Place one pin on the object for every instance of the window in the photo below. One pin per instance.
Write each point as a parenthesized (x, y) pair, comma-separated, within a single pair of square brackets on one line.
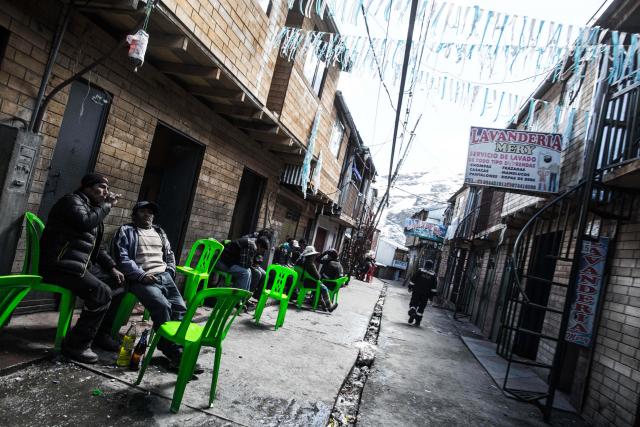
[(314, 72), (265, 5), (336, 138)]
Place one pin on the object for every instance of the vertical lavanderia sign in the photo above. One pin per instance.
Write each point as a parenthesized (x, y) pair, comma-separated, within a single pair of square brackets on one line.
[(591, 265), (513, 159)]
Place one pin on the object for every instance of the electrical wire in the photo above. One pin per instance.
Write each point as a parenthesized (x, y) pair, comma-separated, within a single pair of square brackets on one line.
[(375, 57)]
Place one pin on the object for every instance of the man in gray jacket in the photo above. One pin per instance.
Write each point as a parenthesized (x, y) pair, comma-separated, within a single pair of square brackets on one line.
[(144, 255)]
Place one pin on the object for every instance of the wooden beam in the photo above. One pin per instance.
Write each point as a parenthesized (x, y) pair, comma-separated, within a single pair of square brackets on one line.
[(232, 110), (168, 41), (270, 137), (126, 5), (292, 159), (285, 149), (187, 69), (215, 92)]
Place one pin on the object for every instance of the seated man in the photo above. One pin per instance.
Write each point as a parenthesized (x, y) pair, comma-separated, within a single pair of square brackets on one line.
[(308, 257), (72, 256), (144, 255), (331, 267), (239, 256)]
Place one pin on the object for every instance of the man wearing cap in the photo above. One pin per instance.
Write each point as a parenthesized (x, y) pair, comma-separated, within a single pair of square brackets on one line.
[(71, 256), (144, 255)]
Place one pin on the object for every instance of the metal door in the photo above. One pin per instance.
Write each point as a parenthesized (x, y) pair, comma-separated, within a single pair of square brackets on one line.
[(74, 155), (170, 180), (78, 142)]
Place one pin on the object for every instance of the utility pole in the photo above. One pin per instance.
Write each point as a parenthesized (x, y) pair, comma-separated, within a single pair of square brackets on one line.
[(403, 79)]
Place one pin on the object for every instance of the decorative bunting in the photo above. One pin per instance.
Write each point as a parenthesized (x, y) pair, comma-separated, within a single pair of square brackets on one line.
[(308, 156)]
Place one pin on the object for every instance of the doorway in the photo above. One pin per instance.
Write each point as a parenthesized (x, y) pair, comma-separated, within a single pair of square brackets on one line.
[(78, 142), (248, 202), (321, 238), (74, 156), (170, 180), (541, 270)]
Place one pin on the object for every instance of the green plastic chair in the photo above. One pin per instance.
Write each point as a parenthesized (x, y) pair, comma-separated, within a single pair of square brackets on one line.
[(278, 276), (35, 227), (192, 336), (338, 283), (13, 289), (303, 277), (211, 250)]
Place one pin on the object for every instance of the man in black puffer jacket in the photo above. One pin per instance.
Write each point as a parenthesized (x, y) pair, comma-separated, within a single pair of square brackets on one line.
[(71, 256)]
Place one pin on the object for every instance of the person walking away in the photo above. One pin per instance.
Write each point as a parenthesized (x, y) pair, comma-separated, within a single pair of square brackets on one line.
[(238, 257), (423, 283), (371, 268), (143, 253), (72, 256), (308, 256)]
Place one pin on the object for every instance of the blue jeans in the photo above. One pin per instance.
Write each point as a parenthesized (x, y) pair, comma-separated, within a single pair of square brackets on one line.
[(241, 275), (164, 302)]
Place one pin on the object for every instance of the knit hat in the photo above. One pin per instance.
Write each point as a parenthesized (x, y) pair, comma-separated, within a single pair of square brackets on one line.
[(92, 179)]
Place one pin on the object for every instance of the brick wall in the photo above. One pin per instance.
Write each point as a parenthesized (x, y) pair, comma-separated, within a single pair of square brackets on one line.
[(238, 32), (614, 386), (140, 101)]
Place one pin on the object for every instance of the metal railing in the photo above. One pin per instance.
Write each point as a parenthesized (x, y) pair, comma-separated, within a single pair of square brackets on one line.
[(620, 140)]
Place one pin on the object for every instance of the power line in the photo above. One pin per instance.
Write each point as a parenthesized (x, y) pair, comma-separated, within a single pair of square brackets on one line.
[(403, 79), (375, 57), (421, 197)]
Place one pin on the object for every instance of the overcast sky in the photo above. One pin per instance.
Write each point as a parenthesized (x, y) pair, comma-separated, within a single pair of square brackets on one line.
[(441, 139)]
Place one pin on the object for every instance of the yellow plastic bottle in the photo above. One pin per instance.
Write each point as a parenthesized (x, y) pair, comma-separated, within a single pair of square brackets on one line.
[(128, 342)]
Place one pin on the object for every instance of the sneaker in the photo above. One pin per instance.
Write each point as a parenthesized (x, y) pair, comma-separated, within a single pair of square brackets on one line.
[(332, 307), (418, 320), (80, 355), (411, 319), (106, 342)]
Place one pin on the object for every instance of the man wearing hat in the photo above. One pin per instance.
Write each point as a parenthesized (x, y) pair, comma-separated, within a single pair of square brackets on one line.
[(144, 255), (72, 256)]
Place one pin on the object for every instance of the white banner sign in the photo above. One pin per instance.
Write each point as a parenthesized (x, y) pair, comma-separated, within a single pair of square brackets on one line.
[(512, 159)]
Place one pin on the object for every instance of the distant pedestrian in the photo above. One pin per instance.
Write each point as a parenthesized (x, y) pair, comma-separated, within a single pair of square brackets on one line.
[(423, 283), (370, 267)]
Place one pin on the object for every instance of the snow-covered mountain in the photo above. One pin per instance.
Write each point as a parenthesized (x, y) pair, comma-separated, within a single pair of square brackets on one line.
[(411, 193)]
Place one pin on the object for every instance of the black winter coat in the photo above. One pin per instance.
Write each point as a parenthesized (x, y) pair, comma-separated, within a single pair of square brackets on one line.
[(73, 236)]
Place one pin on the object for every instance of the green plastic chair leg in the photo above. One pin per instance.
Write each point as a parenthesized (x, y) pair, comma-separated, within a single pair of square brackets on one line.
[(190, 288), (124, 312), (260, 307), (146, 315), (67, 304), (301, 295), (282, 312), (214, 378), (187, 365), (147, 359), (316, 299)]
